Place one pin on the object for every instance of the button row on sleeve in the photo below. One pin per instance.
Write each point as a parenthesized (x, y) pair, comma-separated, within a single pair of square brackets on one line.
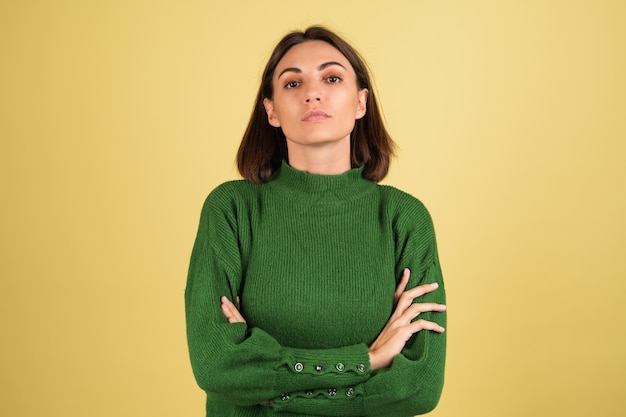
[(299, 367), (331, 393)]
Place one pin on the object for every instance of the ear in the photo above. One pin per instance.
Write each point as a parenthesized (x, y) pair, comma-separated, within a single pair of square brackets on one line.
[(361, 108), (271, 114)]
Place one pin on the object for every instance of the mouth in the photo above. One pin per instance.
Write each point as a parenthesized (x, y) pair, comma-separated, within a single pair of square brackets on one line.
[(315, 116)]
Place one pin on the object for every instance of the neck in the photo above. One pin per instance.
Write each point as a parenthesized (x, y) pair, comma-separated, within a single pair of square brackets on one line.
[(328, 159)]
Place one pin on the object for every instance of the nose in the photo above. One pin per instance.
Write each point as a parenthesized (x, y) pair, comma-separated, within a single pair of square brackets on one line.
[(313, 93)]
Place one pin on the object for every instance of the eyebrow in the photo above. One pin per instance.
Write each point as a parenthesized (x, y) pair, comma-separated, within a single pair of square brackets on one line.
[(320, 68)]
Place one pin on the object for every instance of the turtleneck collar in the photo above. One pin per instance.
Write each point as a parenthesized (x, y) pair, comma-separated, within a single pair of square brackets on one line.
[(334, 188)]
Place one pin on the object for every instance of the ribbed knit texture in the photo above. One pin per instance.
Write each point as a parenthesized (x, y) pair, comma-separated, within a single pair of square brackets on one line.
[(315, 260)]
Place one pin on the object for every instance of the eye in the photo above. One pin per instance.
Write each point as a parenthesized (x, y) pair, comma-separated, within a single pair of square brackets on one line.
[(333, 79), (292, 84)]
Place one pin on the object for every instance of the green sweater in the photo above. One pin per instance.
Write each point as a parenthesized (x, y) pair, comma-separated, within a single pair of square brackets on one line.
[(315, 260)]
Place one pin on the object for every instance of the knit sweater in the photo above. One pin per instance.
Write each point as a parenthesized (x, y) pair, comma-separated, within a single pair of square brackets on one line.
[(315, 261)]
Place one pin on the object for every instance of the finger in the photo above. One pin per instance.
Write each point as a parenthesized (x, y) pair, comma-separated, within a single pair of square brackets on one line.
[(407, 297), (416, 309), (230, 311), (236, 320), (406, 274), (420, 325), (225, 305), (235, 317), (421, 289)]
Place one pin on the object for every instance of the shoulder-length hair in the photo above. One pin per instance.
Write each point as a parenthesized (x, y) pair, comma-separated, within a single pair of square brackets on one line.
[(264, 147)]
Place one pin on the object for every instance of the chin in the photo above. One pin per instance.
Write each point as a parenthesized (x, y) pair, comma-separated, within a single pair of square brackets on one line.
[(320, 138)]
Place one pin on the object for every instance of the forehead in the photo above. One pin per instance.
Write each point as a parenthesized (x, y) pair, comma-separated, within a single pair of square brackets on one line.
[(311, 54)]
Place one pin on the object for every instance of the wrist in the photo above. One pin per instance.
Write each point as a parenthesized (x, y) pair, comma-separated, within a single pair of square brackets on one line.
[(375, 362)]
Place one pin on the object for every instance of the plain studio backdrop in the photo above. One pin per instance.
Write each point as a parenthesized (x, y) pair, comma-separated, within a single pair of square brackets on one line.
[(118, 117)]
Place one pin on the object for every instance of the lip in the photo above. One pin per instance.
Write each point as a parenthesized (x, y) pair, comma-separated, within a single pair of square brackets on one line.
[(315, 116)]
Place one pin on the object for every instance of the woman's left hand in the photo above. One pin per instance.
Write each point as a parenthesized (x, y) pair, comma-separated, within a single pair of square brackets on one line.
[(401, 325), (230, 311)]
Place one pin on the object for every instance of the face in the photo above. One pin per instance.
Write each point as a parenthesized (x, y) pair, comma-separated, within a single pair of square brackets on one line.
[(316, 98)]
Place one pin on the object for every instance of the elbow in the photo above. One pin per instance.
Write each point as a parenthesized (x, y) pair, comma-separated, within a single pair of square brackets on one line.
[(426, 401), (224, 383), (209, 371), (207, 378), (416, 401), (425, 406)]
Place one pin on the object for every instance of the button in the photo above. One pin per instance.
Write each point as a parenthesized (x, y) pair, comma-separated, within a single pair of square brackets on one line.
[(332, 392), (298, 367), (285, 397), (350, 392), (360, 367), (318, 368), (340, 367)]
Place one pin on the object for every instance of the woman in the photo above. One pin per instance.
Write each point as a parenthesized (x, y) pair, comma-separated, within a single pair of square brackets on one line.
[(312, 290)]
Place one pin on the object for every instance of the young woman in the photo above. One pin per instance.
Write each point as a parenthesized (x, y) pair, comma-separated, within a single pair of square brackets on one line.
[(313, 290)]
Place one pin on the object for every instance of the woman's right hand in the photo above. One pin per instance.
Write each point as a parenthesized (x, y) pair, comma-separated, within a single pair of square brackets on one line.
[(401, 326)]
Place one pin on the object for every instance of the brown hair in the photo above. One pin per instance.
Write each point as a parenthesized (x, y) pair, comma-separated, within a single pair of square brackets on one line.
[(263, 146)]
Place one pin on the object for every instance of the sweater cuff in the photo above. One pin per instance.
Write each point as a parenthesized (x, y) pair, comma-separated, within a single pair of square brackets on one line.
[(304, 370), (346, 401), (351, 361)]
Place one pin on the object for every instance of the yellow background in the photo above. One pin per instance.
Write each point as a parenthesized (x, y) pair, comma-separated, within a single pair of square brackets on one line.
[(118, 117)]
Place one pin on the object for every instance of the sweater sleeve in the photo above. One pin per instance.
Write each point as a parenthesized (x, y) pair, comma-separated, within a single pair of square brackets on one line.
[(236, 364), (413, 383)]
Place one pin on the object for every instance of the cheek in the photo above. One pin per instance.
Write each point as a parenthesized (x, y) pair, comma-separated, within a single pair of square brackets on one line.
[(282, 115), (350, 105), (284, 106)]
